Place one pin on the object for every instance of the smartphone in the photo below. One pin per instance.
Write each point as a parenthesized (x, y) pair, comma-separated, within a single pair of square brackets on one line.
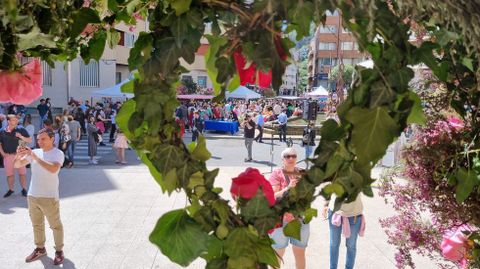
[(22, 144)]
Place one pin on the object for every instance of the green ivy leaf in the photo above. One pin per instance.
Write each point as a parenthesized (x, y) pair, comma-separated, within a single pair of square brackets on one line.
[(113, 37), (123, 117), (310, 214), (241, 243), (416, 114), (153, 170), (265, 252), (292, 229), (210, 59), (374, 130), (35, 38), (380, 94), (467, 180), (331, 131), (180, 6), (332, 188), (200, 152), (174, 233), (168, 157), (171, 181), (81, 19), (467, 62), (95, 48), (215, 248), (257, 207), (141, 51)]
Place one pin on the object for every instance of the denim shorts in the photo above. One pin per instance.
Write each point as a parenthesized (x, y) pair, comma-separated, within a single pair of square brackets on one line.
[(281, 241)]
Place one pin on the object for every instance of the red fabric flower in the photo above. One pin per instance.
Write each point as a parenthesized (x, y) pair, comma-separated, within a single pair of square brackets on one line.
[(247, 183), (250, 74), (21, 87)]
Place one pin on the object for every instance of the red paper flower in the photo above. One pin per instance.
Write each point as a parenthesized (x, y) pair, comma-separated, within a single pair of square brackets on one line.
[(247, 183), (21, 87), (250, 74)]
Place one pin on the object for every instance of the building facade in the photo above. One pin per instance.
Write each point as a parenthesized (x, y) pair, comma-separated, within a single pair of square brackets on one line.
[(330, 45)]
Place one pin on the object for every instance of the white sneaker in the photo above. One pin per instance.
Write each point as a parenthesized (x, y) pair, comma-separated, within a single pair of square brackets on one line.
[(95, 162)]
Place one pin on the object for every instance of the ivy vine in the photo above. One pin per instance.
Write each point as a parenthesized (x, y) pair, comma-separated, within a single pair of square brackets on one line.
[(376, 111)]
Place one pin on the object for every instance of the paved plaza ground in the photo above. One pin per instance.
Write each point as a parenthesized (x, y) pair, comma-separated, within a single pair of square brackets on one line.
[(108, 212)]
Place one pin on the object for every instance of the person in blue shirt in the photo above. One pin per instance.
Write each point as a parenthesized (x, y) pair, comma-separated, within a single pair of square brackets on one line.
[(282, 131), (260, 124)]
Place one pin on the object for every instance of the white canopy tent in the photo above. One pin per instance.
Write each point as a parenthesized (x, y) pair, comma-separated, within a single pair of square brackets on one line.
[(318, 91), (243, 92), (114, 91), (367, 64)]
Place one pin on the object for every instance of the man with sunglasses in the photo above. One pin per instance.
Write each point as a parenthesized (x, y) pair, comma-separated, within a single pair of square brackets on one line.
[(43, 195), (282, 180)]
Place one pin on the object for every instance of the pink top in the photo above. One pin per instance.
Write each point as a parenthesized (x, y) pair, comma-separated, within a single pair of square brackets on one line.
[(278, 182), (338, 220)]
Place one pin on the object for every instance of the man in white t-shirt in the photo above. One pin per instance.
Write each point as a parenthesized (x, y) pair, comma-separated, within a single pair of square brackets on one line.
[(43, 196)]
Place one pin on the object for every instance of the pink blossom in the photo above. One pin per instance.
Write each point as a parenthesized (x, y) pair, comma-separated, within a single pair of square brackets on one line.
[(21, 87), (456, 123), (131, 28), (454, 246), (137, 15)]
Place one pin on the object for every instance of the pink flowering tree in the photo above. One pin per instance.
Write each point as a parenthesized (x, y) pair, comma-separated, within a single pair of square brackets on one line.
[(437, 202)]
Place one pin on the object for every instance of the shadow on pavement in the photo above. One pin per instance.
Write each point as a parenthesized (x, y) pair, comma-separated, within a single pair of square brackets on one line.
[(7, 205), (48, 263)]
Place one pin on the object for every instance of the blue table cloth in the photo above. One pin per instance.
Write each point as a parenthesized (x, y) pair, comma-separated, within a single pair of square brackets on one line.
[(224, 126)]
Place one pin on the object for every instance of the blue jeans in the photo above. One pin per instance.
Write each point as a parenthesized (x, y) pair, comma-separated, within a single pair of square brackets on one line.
[(71, 150), (281, 241), (351, 242), (308, 151)]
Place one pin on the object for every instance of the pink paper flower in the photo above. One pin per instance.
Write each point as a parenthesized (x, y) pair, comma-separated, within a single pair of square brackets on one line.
[(456, 123), (21, 87), (454, 246)]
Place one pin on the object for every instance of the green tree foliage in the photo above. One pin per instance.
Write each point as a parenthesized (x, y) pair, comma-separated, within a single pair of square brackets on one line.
[(378, 108), (348, 71)]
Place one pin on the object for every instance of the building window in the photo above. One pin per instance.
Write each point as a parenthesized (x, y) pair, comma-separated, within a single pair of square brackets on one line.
[(129, 40), (89, 74), (347, 45), (121, 41), (329, 13), (202, 81), (326, 61), (348, 61), (326, 46), (47, 74), (118, 77), (328, 29), (345, 30), (355, 46)]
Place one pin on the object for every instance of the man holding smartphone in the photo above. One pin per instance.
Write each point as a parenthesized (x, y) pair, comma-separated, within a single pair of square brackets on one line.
[(10, 139), (43, 194)]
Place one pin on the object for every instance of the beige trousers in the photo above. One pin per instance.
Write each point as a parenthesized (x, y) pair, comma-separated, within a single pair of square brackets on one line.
[(39, 208)]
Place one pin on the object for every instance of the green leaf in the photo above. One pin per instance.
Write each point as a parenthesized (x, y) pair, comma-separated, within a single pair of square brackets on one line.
[(380, 95), (257, 207), (373, 131), (128, 87), (331, 188), (292, 229), (179, 237), (234, 83), (35, 38), (200, 152), (124, 115), (180, 6), (153, 170), (81, 19), (467, 180), (416, 114), (310, 214), (467, 62), (113, 37), (215, 248), (265, 253), (171, 180), (141, 51), (211, 57), (96, 46), (168, 157), (241, 243), (331, 131)]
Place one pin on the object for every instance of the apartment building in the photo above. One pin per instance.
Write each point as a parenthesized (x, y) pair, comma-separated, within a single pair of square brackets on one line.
[(330, 44)]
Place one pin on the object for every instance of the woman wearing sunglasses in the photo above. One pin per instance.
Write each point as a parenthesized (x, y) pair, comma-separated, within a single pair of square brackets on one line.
[(282, 180)]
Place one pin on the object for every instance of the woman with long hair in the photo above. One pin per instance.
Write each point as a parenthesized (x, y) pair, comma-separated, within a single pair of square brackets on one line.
[(92, 131), (120, 145)]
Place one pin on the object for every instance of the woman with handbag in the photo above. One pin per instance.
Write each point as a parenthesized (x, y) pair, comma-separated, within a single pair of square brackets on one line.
[(92, 132), (282, 180)]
